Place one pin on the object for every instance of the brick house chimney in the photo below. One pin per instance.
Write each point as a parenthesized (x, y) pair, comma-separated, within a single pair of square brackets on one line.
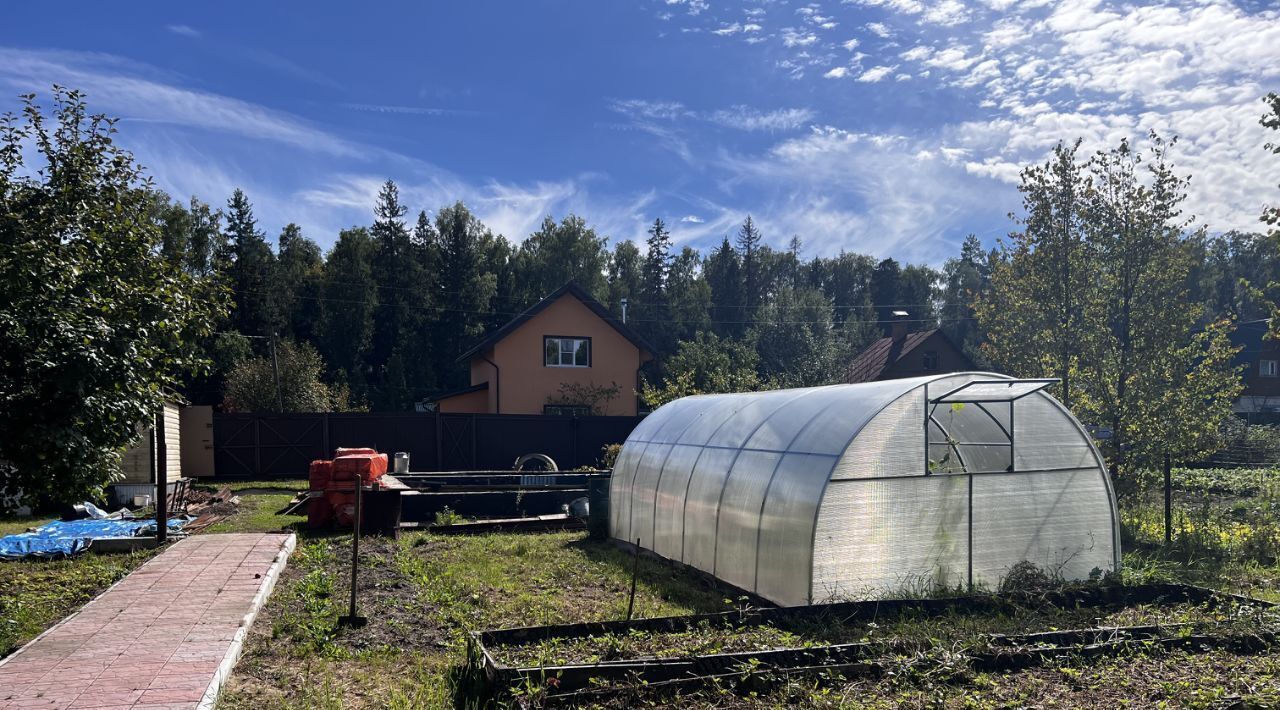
[(898, 328)]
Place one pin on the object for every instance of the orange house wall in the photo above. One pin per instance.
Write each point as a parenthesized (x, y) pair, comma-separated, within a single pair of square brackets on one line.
[(469, 403), (526, 382)]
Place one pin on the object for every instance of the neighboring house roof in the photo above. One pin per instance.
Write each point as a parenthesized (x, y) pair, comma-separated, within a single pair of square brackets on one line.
[(879, 356), (457, 392), (571, 289), (1250, 337)]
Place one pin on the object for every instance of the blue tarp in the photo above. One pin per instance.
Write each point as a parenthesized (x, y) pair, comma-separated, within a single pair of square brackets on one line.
[(64, 539)]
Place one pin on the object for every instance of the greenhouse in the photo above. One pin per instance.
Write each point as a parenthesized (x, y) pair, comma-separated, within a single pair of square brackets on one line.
[(892, 488)]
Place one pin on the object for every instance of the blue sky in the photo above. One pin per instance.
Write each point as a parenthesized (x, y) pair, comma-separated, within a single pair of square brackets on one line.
[(891, 127)]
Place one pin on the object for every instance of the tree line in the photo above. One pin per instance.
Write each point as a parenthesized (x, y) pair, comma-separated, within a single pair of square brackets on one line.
[(113, 296)]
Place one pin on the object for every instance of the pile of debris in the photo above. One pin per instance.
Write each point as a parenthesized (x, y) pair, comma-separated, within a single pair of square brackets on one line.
[(333, 485), (206, 508)]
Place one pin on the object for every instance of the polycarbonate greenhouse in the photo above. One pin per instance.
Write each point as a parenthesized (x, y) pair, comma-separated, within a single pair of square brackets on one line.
[(807, 496)]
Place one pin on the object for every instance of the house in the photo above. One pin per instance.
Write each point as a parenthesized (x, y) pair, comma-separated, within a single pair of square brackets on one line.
[(565, 355), (1259, 359), (903, 354)]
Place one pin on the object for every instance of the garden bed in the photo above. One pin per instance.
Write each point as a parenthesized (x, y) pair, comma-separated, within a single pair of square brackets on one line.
[(994, 633)]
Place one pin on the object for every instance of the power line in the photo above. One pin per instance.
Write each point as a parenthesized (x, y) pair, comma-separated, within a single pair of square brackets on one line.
[(672, 321)]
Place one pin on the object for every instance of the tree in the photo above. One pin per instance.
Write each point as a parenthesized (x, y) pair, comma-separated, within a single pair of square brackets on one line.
[(1048, 271), (559, 253), (1271, 120), (704, 365), (251, 386), (886, 284), (249, 270), (398, 274), (1145, 346), (748, 245), (653, 314), (723, 270), (797, 343), (624, 278), (967, 278), (95, 323), (688, 298), (296, 285), (465, 285), (348, 303), (1105, 258)]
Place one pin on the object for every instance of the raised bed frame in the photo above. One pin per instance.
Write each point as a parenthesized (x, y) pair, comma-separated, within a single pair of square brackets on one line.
[(1000, 652)]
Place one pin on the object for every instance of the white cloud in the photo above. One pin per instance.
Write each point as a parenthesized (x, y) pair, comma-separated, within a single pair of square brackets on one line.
[(873, 193), (879, 29), (850, 44), (795, 38), (736, 28), (126, 90), (875, 74), (641, 108), (743, 118), (184, 30), (749, 119), (692, 219), (837, 73)]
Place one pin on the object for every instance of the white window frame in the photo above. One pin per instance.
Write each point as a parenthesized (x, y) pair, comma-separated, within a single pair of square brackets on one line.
[(575, 345), (1267, 368)]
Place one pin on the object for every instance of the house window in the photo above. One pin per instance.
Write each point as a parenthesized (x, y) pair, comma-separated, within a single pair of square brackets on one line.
[(931, 359), (567, 352), (567, 410), (1266, 368)]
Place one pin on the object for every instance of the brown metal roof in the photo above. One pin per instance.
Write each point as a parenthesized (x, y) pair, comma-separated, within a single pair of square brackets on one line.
[(871, 363)]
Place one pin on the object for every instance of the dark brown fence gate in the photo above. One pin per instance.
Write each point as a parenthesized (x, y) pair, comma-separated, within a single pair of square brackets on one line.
[(261, 445)]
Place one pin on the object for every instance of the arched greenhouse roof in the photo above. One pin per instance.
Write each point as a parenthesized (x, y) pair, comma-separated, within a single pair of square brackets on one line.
[(848, 491)]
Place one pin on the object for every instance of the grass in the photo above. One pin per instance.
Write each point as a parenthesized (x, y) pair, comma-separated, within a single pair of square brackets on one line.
[(35, 594), (423, 593)]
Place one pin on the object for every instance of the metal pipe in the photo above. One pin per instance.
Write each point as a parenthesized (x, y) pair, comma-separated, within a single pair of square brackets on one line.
[(497, 385), (162, 480), (275, 368)]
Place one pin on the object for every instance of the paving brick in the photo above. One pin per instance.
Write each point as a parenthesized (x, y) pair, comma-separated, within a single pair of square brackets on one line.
[(153, 641)]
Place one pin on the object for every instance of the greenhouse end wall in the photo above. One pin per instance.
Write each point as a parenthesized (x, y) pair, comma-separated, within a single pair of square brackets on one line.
[(853, 491)]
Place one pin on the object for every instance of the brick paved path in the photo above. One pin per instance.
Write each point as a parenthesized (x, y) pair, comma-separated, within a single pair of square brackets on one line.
[(165, 636)]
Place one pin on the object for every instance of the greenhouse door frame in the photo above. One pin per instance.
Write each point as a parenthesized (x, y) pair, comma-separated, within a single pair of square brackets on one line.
[(985, 392)]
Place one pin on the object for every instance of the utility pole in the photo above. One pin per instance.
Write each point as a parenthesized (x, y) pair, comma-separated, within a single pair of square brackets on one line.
[(275, 367)]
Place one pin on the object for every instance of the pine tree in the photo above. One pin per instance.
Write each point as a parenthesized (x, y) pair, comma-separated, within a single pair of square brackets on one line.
[(723, 271), (299, 272), (347, 310), (748, 245), (688, 297), (653, 312), (465, 286), (395, 272), (250, 264), (886, 288)]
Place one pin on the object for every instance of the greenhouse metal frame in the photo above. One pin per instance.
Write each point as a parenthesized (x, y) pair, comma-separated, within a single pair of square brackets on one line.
[(888, 488)]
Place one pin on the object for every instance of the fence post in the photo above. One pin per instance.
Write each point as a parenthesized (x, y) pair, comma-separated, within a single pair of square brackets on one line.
[(439, 443), (257, 446), (324, 422), (1168, 502)]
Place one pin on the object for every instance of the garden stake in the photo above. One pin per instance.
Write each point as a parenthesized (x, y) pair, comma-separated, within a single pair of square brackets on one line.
[(352, 618), (635, 571)]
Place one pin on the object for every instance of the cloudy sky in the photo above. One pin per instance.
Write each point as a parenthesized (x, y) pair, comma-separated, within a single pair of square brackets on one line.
[(892, 127)]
